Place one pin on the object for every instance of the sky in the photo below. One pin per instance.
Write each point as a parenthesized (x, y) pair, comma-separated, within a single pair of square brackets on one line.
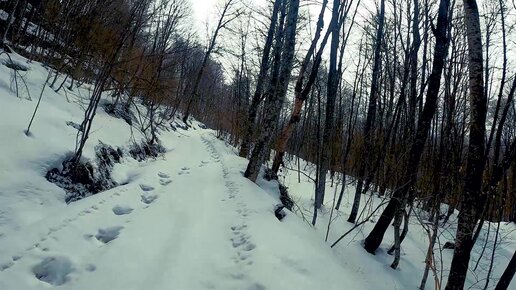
[(203, 9)]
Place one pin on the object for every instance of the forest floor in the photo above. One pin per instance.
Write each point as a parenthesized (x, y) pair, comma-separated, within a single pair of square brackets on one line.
[(185, 220)]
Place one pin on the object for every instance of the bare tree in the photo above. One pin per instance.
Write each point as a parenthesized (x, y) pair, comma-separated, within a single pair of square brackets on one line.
[(469, 213), (227, 14), (275, 96), (260, 82), (400, 197)]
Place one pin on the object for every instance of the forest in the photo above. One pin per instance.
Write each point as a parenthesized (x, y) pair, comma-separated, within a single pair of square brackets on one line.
[(409, 102)]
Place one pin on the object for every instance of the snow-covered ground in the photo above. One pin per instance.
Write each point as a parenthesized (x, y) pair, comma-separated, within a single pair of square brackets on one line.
[(186, 220), (375, 270)]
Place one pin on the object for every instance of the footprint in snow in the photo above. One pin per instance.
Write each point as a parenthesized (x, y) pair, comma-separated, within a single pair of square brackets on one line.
[(165, 181), (204, 163), (145, 187), (256, 286), (106, 235), (184, 170), (163, 175), (122, 210), (249, 247), (164, 178), (148, 199), (237, 228), (6, 265), (54, 270), (241, 241)]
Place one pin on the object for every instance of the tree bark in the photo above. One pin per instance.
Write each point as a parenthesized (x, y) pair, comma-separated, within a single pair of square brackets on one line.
[(333, 81), (508, 274), (371, 114), (276, 94), (302, 93), (468, 214), (264, 67)]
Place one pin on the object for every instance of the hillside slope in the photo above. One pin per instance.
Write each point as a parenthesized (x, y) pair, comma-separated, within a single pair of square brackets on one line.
[(185, 220)]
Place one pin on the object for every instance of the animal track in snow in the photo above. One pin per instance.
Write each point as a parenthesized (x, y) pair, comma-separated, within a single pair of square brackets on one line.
[(54, 270), (6, 265), (238, 228), (148, 199), (204, 163), (108, 234), (163, 175), (146, 188), (164, 178), (256, 286), (184, 170), (249, 246), (122, 210), (165, 181)]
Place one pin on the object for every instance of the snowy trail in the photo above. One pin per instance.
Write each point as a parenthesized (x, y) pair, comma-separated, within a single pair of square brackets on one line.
[(159, 224), (189, 220)]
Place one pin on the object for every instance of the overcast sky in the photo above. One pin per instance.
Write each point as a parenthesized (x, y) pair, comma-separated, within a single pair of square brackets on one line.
[(203, 9)]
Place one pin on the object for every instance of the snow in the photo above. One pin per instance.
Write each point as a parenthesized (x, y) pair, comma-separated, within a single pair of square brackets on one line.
[(3, 15), (185, 220), (414, 247)]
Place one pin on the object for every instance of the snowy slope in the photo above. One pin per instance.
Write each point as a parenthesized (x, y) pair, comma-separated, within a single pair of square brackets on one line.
[(374, 270), (186, 220)]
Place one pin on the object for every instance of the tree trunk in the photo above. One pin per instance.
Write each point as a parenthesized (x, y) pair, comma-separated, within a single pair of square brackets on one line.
[(508, 274), (374, 239), (277, 91), (371, 114), (333, 81), (302, 93), (10, 21), (264, 67), (468, 214)]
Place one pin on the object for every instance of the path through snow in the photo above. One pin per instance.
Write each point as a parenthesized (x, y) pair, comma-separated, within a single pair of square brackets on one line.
[(205, 227)]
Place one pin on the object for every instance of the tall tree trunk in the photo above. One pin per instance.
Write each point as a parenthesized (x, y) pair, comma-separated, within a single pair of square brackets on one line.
[(333, 82), (508, 274), (10, 21), (469, 212), (302, 93), (276, 94), (371, 114), (399, 198), (264, 67)]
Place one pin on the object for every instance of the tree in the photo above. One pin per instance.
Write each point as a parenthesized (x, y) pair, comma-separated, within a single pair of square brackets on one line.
[(260, 82), (331, 94), (400, 197), (226, 16), (469, 212), (10, 21), (371, 112), (508, 274), (300, 92), (275, 96)]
